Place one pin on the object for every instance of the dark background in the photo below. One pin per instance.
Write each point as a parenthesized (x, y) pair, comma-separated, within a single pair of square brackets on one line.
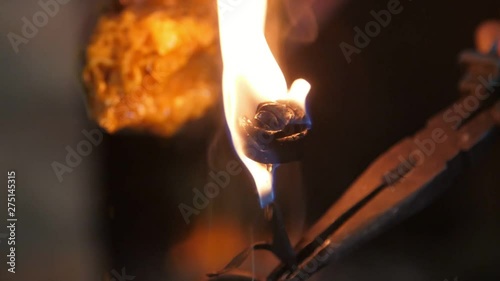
[(120, 208)]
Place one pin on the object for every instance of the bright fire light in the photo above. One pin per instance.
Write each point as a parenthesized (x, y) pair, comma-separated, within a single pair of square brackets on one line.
[(251, 76)]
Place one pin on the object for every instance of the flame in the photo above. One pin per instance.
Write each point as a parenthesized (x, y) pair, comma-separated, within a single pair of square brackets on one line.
[(251, 76)]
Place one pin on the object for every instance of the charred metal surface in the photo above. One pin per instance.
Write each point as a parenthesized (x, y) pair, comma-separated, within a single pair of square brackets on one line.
[(281, 245), (276, 133)]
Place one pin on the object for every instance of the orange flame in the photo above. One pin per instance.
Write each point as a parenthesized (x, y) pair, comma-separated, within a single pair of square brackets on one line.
[(251, 76)]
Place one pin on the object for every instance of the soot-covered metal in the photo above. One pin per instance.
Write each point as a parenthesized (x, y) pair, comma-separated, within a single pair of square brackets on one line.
[(276, 133)]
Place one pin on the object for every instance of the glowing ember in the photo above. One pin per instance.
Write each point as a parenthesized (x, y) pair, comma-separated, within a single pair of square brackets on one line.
[(251, 76)]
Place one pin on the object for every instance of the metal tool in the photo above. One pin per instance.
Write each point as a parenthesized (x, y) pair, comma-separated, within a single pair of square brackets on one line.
[(405, 178)]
